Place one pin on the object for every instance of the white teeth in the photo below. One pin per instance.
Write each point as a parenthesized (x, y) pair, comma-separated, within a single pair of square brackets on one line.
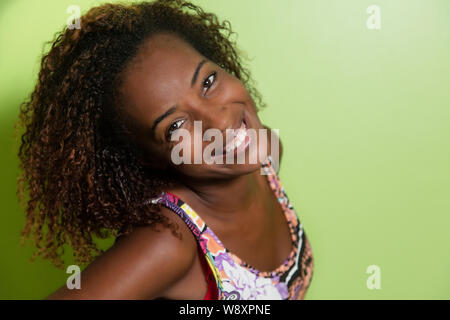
[(239, 138)]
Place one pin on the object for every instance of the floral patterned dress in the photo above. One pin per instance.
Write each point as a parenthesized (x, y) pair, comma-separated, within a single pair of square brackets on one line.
[(235, 279)]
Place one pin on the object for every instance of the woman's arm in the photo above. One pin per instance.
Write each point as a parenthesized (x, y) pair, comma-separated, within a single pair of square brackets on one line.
[(141, 265)]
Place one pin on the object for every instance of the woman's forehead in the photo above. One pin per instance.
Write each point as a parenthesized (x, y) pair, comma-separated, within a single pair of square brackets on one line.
[(166, 52), (165, 61), (160, 74)]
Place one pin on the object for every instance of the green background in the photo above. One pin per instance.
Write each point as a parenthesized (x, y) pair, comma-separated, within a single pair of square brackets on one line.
[(364, 117)]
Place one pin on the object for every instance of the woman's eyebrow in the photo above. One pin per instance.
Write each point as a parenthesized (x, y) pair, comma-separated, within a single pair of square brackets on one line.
[(161, 118), (194, 78)]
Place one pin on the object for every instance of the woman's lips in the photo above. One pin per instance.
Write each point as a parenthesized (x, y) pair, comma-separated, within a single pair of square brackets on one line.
[(239, 137)]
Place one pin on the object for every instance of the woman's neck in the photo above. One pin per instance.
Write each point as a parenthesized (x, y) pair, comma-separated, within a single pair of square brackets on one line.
[(224, 199)]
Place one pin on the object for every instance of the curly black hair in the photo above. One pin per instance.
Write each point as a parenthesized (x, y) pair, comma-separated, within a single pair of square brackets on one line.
[(83, 174)]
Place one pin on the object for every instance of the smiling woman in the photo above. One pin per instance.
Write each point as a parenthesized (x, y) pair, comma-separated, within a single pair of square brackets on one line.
[(96, 161)]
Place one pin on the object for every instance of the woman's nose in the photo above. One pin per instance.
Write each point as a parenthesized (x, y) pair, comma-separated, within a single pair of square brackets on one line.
[(219, 117)]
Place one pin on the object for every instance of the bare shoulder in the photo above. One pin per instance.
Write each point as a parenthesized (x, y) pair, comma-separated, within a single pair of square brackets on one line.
[(140, 265)]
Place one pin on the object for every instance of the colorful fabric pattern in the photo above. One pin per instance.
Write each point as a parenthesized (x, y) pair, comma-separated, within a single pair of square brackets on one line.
[(235, 279)]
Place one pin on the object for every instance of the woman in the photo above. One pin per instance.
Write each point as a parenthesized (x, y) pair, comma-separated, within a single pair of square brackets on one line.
[(97, 159)]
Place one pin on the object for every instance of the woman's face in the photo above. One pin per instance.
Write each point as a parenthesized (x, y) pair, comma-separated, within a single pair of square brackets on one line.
[(170, 86)]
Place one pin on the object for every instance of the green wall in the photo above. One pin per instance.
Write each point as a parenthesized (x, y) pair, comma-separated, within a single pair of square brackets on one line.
[(364, 117)]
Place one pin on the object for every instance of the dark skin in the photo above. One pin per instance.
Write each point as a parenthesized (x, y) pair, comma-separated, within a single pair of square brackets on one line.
[(234, 200)]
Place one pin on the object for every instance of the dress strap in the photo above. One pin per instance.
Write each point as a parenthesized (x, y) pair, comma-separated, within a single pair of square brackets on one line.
[(198, 228), (175, 204), (276, 186)]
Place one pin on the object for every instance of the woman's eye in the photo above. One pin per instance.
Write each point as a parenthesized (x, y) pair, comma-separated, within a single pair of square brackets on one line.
[(208, 82), (174, 126)]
